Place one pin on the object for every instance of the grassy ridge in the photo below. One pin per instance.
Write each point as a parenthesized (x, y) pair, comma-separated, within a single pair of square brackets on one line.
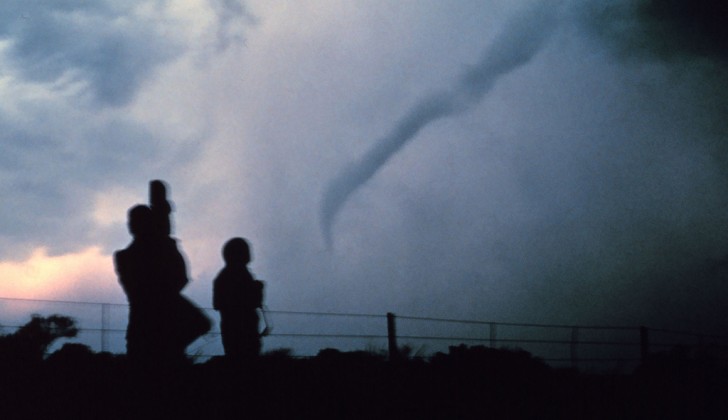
[(467, 382)]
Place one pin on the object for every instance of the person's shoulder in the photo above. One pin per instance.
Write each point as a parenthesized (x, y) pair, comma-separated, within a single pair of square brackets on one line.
[(135, 250), (226, 274), (162, 242), (170, 245), (123, 259), (220, 274), (121, 254)]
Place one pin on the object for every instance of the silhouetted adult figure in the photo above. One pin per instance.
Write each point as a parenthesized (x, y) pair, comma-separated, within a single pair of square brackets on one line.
[(186, 321), (238, 297), (160, 206), (152, 272)]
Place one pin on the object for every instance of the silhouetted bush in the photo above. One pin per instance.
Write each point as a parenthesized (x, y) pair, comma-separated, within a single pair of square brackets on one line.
[(71, 354), (482, 360), (278, 354), (30, 343), (466, 382), (357, 356)]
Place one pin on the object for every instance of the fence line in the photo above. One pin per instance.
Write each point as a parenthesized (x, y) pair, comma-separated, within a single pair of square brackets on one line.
[(576, 341), (352, 315), (515, 324)]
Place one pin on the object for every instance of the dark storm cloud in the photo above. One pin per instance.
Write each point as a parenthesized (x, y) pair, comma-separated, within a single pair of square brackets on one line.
[(66, 61), (642, 227), (101, 43), (588, 185), (682, 231), (517, 43), (665, 29), (688, 38), (595, 189), (694, 26), (48, 181)]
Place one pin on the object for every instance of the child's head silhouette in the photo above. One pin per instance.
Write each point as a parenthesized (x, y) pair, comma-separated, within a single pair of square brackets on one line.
[(236, 251)]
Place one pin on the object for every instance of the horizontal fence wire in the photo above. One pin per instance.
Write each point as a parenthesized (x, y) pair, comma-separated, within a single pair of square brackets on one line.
[(636, 340), (67, 302), (328, 335), (515, 324), (689, 333), (336, 314), (520, 340)]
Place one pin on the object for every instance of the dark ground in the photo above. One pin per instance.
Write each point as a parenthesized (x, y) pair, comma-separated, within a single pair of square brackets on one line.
[(475, 382)]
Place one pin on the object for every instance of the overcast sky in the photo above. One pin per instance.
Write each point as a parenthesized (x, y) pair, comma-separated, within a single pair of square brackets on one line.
[(500, 160)]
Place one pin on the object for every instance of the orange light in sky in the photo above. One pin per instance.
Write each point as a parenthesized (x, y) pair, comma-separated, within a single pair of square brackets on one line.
[(43, 276)]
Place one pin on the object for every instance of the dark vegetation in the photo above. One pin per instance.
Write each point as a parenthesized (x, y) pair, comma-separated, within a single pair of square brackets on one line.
[(466, 382)]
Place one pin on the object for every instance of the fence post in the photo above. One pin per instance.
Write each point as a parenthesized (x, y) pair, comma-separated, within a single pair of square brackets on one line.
[(644, 344), (493, 332), (104, 326), (574, 344), (392, 337)]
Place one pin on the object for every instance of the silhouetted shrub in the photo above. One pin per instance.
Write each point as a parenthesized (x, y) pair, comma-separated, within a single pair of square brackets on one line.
[(277, 354), (481, 366), (330, 355), (71, 354), (31, 341)]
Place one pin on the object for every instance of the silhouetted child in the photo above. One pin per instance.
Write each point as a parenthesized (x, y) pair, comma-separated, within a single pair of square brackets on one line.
[(237, 296)]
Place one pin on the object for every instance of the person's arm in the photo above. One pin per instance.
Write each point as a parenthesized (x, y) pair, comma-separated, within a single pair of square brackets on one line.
[(216, 293), (126, 279), (268, 326), (176, 266)]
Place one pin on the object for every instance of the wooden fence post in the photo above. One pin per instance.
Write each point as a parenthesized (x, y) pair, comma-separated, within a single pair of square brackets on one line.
[(644, 344), (104, 326), (574, 344), (493, 332), (392, 337)]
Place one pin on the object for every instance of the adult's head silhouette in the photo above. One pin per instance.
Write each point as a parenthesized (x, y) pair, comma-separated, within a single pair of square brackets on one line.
[(140, 221)]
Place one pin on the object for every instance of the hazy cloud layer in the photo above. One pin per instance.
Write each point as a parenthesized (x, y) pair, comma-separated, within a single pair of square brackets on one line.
[(619, 187), (582, 181), (71, 71), (233, 17), (519, 41), (108, 46)]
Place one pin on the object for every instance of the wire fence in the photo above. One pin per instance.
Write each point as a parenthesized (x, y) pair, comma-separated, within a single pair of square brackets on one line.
[(102, 327)]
